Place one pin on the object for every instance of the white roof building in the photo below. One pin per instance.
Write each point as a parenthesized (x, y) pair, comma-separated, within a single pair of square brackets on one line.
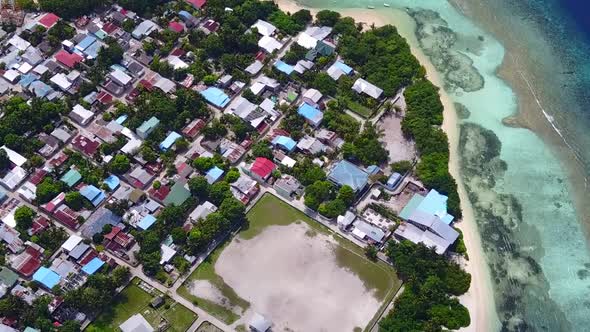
[(176, 62), (14, 156), (120, 77), (167, 254), (81, 115), (136, 323), (11, 75), (13, 178), (254, 68), (363, 86), (202, 211), (312, 96), (61, 81), (269, 44), (264, 28), (19, 43), (71, 242), (25, 67), (306, 41), (259, 323)]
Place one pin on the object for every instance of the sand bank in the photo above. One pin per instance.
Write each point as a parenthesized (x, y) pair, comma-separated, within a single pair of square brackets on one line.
[(479, 298)]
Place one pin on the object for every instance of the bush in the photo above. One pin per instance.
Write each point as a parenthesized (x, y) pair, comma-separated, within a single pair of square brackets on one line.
[(402, 166)]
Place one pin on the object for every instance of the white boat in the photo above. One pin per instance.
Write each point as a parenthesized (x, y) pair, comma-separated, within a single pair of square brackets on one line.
[(385, 5), (371, 7)]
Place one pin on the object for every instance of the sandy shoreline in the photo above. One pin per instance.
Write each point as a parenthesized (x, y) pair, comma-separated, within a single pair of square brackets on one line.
[(479, 298)]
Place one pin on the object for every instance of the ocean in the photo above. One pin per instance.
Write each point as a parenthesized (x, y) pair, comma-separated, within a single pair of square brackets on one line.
[(519, 74)]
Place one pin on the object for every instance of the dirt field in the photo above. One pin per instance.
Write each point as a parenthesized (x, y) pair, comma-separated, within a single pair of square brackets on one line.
[(294, 278), (398, 146)]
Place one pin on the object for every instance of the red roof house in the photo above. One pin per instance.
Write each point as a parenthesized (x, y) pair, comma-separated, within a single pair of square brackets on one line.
[(68, 59), (49, 20), (193, 128), (160, 193), (27, 262), (38, 176), (85, 145), (197, 3), (176, 27), (262, 168)]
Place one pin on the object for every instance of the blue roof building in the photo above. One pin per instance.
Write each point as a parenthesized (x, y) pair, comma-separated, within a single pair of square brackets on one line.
[(120, 120), (432, 204), (311, 114), (393, 181), (85, 43), (46, 277), (214, 174), (215, 96), (112, 182), (93, 194), (71, 177), (185, 16), (285, 143), (92, 50), (283, 67), (347, 173), (40, 89), (147, 127), (344, 67), (26, 80), (146, 222), (94, 265), (169, 141)]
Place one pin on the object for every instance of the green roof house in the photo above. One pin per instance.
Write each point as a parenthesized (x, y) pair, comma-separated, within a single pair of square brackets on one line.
[(147, 127), (71, 178), (7, 280), (178, 194)]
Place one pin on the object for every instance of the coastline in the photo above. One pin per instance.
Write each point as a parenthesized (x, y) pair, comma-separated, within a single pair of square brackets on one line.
[(482, 312)]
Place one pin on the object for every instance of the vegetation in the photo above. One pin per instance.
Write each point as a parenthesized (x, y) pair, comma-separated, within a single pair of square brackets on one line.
[(402, 166), (24, 216), (366, 148), (428, 302)]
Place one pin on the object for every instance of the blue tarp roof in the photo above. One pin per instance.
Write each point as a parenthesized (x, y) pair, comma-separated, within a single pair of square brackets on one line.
[(146, 222), (112, 182), (311, 113), (170, 139), (121, 119), (393, 179), (26, 80), (344, 67), (284, 141), (93, 194), (40, 89), (46, 277), (91, 267), (86, 42), (283, 67), (92, 50), (184, 15), (214, 174), (215, 96), (347, 173)]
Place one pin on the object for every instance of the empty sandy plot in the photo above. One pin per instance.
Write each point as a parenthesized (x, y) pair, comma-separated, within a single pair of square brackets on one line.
[(294, 279), (398, 146)]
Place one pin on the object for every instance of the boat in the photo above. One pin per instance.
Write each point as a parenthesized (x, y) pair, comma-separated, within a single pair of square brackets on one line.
[(385, 5), (371, 7)]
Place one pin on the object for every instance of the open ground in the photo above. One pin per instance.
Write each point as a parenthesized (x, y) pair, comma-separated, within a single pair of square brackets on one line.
[(133, 300), (295, 272)]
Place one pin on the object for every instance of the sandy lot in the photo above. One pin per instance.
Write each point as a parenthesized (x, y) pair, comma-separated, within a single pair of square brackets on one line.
[(206, 290), (398, 146), (293, 279)]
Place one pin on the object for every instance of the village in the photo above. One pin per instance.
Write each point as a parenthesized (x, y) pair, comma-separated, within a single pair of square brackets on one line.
[(145, 145)]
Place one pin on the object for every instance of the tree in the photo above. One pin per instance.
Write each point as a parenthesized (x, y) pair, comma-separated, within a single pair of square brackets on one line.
[(4, 161), (232, 176), (70, 8), (332, 209), (120, 275), (324, 83), (178, 235), (24, 216), (346, 194), (199, 186), (219, 191), (203, 164), (75, 200), (402, 166), (302, 17), (181, 144), (233, 210), (316, 193), (371, 252), (120, 164), (262, 149), (327, 17)]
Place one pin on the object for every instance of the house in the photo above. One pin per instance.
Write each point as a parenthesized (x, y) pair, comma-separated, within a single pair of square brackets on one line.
[(216, 97), (167, 253), (214, 174), (176, 27), (48, 20), (72, 242), (85, 145), (288, 186), (112, 182), (339, 68), (27, 261), (120, 77), (69, 60), (67, 216), (136, 323), (285, 143), (264, 83), (393, 181), (347, 173), (47, 277), (11, 238), (96, 222), (363, 86), (269, 44), (71, 178), (254, 68), (283, 67), (91, 267), (192, 129), (118, 240), (93, 194), (244, 189), (261, 169), (178, 194), (81, 115), (140, 177), (264, 28), (311, 145), (311, 114), (7, 280), (209, 27), (433, 203), (329, 137), (312, 97), (259, 323), (366, 232), (202, 211), (144, 29), (146, 222), (62, 133), (197, 4), (167, 143), (344, 221), (13, 178), (147, 127)]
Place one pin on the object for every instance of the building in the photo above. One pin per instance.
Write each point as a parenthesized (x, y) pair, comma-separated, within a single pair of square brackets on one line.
[(167, 143), (144, 29), (312, 97), (288, 186), (347, 173), (71, 178), (81, 115), (366, 232), (93, 194), (269, 44), (147, 127), (136, 323), (363, 86), (215, 97), (345, 220), (192, 129), (284, 143), (47, 277), (202, 211), (214, 174), (264, 28), (261, 169), (259, 323), (433, 203), (177, 195), (197, 4), (339, 68), (312, 115)]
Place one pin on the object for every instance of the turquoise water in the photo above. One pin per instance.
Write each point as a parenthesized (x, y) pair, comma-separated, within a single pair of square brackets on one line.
[(531, 232)]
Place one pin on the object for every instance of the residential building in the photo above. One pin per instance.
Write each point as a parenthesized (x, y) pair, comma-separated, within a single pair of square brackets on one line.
[(288, 186), (202, 211), (363, 86), (347, 173), (261, 169), (136, 323), (147, 127), (312, 115)]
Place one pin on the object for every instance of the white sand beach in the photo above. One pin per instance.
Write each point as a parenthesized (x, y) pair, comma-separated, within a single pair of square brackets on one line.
[(479, 299)]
